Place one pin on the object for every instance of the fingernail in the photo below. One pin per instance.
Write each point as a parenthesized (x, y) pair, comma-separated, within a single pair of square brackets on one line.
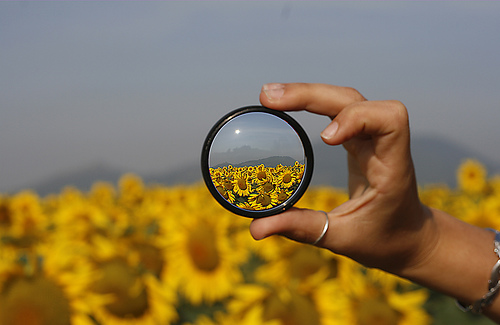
[(273, 91), (330, 131)]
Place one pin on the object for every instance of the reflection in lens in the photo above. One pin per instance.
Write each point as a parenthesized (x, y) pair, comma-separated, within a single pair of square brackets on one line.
[(257, 187), (256, 161)]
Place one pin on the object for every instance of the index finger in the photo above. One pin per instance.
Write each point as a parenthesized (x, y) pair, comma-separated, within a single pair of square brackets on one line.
[(317, 98)]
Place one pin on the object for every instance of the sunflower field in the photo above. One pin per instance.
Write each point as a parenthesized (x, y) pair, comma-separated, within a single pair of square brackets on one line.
[(257, 187), (133, 253)]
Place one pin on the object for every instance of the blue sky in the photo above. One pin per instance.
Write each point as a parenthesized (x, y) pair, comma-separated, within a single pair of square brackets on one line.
[(138, 85), (253, 136)]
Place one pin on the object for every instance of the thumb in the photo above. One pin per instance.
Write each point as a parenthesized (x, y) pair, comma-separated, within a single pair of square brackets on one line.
[(302, 225)]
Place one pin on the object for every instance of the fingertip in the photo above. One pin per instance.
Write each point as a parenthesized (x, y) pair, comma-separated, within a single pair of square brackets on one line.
[(330, 131), (273, 91), (316, 98), (256, 230), (262, 228), (271, 94)]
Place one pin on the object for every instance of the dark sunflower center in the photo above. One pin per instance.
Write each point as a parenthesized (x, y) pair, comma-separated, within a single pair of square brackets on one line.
[(287, 178), (222, 192), (261, 175), (295, 310), (264, 199), (202, 248), (282, 196), (242, 184), (5, 218), (118, 279), (33, 301), (228, 185), (151, 258), (268, 187)]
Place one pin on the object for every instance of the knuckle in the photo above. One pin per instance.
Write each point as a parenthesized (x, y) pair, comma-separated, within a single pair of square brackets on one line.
[(354, 94), (398, 112)]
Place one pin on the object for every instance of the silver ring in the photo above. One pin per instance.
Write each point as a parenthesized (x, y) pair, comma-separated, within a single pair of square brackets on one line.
[(325, 229)]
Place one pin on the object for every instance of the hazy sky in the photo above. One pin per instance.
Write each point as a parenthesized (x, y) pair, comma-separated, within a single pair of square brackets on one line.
[(138, 85), (254, 136)]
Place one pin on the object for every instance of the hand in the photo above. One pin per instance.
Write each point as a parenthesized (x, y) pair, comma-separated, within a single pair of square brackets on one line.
[(383, 224)]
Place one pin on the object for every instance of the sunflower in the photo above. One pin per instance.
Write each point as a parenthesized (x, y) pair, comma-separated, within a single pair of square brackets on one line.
[(471, 176), (305, 267), (494, 184), (281, 305), (216, 176), (228, 184), (251, 317), (365, 297), (102, 194), (46, 286), (322, 198), (262, 174), (273, 248), (250, 170), (5, 216), (146, 216), (134, 297), (287, 177), (79, 220), (436, 196), (228, 195), (131, 189), (205, 264), (244, 205), (230, 169), (25, 218), (145, 254), (267, 187), (492, 208), (263, 200), (241, 183), (132, 275), (284, 194), (484, 213), (223, 179), (299, 169)]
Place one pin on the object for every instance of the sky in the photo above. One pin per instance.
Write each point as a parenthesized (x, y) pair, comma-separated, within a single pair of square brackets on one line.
[(138, 85), (253, 136)]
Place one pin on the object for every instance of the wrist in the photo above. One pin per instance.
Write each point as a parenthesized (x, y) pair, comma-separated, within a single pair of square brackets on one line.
[(460, 263), (493, 284), (423, 243)]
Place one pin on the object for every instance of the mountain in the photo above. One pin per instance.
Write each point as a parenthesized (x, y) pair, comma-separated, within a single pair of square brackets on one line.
[(436, 161), (82, 179), (267, 162)]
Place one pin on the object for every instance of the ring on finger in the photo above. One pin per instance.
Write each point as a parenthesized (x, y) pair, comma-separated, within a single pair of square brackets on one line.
[(325, 229)]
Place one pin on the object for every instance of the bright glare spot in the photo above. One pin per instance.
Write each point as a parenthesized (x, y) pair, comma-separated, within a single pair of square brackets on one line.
[(237, 131)]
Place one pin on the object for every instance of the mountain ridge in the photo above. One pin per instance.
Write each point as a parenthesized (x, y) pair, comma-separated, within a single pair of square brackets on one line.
[(436, 160), (272, 161)]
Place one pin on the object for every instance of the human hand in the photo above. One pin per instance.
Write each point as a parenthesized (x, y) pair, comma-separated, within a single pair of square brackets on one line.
[(383, 224)]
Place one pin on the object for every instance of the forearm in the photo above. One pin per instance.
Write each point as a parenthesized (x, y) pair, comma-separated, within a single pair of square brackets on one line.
[(460, 263)]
